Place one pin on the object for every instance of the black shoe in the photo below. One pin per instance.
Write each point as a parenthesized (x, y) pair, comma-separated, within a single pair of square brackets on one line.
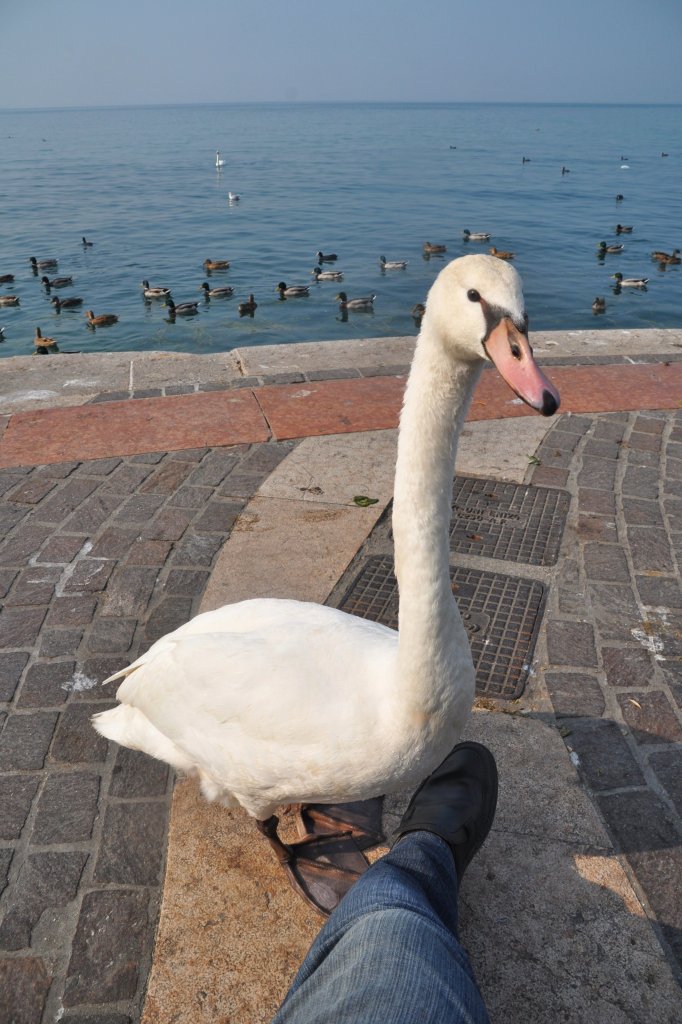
[(456, 802)]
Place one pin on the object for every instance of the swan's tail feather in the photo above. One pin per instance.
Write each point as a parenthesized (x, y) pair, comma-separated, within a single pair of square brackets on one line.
[(131, 728), (125, 672)]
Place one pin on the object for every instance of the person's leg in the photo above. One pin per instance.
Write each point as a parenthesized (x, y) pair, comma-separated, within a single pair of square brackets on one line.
[(390, 952)]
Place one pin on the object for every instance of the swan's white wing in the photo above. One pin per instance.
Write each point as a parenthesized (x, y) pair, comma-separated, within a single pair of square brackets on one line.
[(282, 711), (257, 615)]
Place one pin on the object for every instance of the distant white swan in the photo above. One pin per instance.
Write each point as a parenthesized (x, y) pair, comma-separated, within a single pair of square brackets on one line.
[(233, 197), (219, 162)]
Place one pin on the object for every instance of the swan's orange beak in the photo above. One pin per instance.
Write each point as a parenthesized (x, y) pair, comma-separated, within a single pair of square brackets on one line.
[(510, 350)]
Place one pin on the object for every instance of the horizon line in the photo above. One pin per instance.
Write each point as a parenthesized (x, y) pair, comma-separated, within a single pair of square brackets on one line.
[(280, 102)]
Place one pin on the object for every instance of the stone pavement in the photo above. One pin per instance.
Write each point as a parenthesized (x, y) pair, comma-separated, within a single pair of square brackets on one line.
[(614, 636), (100, 557)]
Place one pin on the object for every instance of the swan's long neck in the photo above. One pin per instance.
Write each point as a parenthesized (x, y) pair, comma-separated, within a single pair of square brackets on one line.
[(432, 642)]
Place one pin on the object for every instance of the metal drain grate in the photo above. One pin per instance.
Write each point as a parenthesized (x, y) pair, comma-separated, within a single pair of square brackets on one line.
[(502, 615), (507, 521)]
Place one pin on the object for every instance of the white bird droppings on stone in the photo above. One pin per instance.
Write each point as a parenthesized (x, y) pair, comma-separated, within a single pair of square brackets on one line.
[(79, 682)]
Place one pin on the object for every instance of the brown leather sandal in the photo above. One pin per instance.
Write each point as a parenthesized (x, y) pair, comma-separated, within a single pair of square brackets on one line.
[(320, 868), (362, 818)]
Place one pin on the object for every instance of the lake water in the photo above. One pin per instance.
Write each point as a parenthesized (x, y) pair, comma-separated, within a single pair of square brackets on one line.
[(361, 180)]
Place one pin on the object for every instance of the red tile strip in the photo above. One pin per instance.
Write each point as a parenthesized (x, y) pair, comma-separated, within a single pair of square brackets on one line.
[(304, 410), (132, 427), (332, 406), (343, 406)]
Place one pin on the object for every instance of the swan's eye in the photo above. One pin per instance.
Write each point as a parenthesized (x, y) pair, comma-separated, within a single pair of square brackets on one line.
[(473, 295), (515, 350)]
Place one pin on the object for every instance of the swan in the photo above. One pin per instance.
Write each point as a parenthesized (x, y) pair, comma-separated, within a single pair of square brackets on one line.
[(219, 162), (276, 701)]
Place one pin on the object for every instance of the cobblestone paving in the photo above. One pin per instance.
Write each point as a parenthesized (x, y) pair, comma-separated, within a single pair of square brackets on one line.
[(614, 637), (98, 559)]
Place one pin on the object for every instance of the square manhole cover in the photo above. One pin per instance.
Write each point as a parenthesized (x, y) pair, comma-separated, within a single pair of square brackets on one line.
[(507, 521), (502, 615)]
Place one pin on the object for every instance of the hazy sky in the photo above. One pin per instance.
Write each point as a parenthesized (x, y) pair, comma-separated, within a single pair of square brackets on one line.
[(108, 52)]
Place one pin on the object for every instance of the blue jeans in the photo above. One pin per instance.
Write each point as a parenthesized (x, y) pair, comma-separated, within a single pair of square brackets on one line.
[(389, 954)]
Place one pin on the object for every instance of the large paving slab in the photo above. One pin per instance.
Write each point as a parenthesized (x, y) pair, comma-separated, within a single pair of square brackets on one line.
[(298, 534), (488, 448), (30, 382), (548, 913), (131, 428), (287, 549), (337, 468)]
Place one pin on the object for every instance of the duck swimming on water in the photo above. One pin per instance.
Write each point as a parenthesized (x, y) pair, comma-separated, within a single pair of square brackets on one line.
[(294, 291), (327, 275), (222, 292), (103, 320), (154, 293), (604, 248), (70, 303), (364, 302), (629, 282), (56, 282), (247, 308), (392, 264)]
